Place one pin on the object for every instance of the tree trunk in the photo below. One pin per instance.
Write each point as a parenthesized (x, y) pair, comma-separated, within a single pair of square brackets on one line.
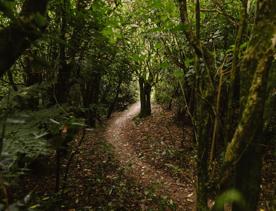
[(202, 166), (13, 85), (32, 74), (62, 86), (145, 98), (245, 151), (248, 177), (114, 102), (233, 107), (69, 50), (91, 93)]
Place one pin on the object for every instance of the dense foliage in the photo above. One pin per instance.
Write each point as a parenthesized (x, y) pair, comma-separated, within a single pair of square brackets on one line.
[(67, 65)]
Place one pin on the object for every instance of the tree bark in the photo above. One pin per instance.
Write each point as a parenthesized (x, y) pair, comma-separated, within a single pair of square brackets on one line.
[(233, 108), (145, 97), (114, 102), (245, 151), (69, 50), (204, 130), (202, 112), (91, 93), (32, 74), (62, 86), (199, 48)]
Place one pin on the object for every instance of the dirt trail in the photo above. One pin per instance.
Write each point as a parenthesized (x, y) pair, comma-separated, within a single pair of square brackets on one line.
[(116, 134)]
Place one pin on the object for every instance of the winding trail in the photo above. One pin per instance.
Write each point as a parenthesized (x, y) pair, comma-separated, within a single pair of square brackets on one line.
[(117, 135)]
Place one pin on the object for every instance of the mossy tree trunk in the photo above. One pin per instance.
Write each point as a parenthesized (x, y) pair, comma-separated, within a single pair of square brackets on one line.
[(233, 107), (202, 112), (203, 142), (245, 149)]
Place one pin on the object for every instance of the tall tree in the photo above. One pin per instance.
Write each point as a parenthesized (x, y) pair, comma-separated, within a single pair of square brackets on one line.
[(203, 111)]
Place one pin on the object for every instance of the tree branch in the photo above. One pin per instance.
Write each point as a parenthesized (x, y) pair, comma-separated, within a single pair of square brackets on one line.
[(20, 34)]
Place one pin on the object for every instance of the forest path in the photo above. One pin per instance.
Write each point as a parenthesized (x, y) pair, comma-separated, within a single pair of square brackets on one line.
[(147, 175)]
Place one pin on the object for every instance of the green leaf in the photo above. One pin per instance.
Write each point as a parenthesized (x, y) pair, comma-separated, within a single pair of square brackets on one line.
[(244, 45), (35, 206), (40, 20), (229, 196), (188, 61), (164, 65), (178, 74), (7, 7), (157, 4), (136, 58), (158, 45), (179, 27), (153, 30)]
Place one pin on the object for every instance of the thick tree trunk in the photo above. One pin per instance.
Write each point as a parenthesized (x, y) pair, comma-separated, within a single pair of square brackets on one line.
[(69, 51), (91, 93), (20, 34), (62, 86), (245, 151), (248, 177), (145, 98)]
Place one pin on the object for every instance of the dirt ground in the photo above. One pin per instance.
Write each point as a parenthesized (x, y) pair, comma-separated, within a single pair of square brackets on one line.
[(131, 164)]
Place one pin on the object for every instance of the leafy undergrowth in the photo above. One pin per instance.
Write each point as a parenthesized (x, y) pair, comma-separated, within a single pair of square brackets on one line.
[(159, 141), (25, 135)]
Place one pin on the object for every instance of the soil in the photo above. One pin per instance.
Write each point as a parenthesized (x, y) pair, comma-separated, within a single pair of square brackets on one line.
[(130, 164), (122, 134)]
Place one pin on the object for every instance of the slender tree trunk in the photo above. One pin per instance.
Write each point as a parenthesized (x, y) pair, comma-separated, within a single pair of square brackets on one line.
[(32, 75), (148, 98), (233, 110), (62, 87), (202, 148), (202, 163), (202, 111), (13, 85), (113, 104), (57, 170)]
